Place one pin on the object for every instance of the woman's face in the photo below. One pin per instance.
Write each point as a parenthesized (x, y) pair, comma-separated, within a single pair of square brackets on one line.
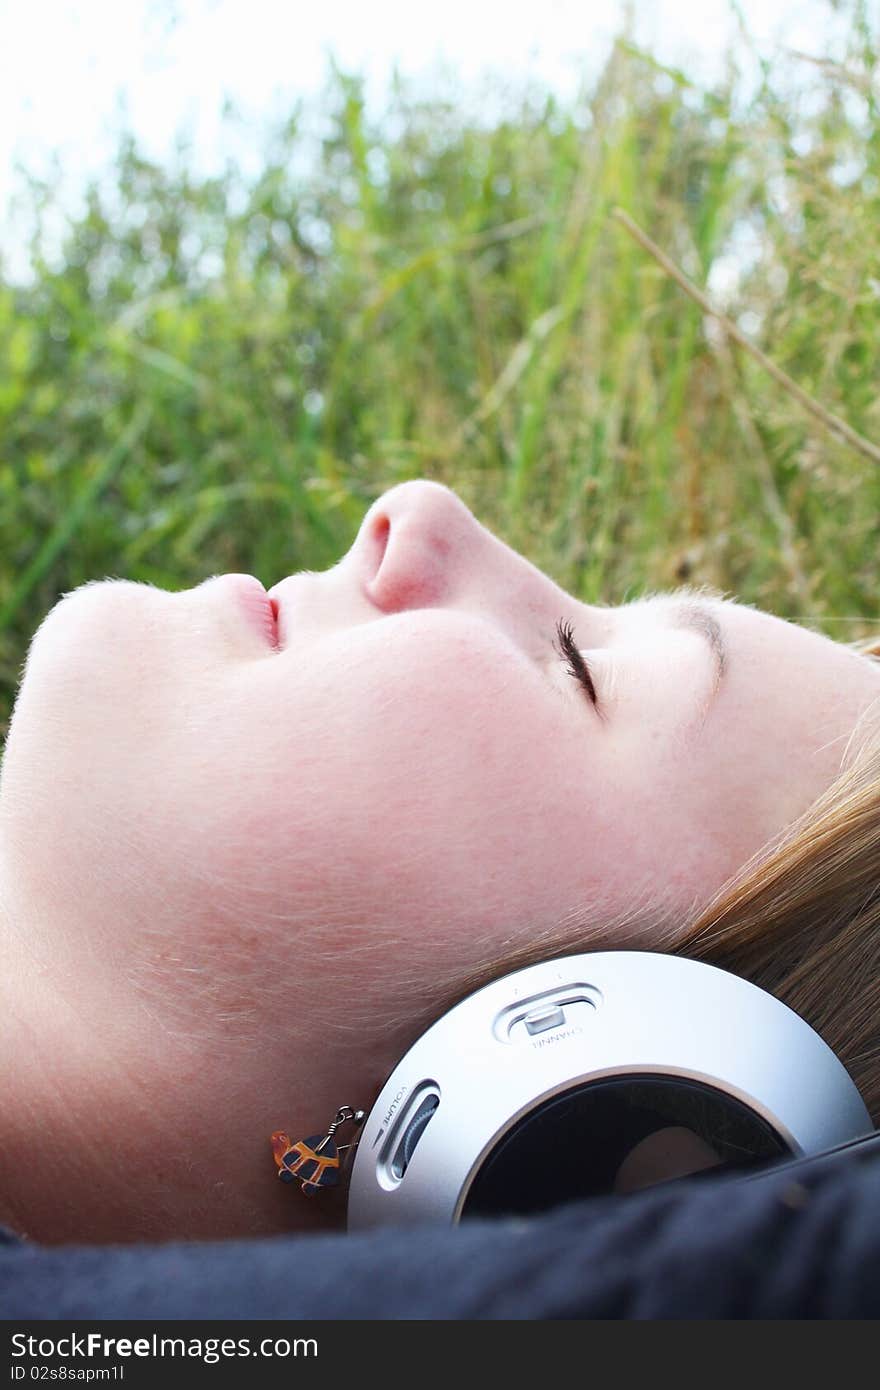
[(237, 872), (412, 769)]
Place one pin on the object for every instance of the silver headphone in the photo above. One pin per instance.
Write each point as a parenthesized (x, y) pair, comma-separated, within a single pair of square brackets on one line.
[(546, 1085)]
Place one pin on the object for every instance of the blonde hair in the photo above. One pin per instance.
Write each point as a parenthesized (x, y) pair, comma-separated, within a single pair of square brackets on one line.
[(802, 918)]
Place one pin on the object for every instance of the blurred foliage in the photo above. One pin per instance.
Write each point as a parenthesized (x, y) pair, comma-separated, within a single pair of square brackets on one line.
[(218, 375)]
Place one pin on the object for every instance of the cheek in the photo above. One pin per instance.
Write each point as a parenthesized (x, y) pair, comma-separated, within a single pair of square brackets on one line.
[(458, 778), (468, 725)]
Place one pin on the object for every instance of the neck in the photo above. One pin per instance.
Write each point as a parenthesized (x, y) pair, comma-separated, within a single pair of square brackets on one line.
[(120, 1125)]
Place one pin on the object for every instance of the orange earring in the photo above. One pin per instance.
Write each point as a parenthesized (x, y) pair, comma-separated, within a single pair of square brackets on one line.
[(314, 1162)]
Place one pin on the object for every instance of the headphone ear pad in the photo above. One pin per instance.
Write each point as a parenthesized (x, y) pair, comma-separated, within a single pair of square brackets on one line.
[(579, 1144)]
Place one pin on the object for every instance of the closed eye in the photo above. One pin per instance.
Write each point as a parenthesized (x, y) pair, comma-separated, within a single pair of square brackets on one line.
[(570, 653)]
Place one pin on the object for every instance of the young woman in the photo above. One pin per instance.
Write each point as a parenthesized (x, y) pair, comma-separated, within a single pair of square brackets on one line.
[(245, 860)]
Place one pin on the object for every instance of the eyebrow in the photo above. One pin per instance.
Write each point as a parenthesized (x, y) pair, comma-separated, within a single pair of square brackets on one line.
[(696, 616)]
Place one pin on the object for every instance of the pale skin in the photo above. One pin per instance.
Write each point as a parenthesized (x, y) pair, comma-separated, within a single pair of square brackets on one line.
[(233, 876)]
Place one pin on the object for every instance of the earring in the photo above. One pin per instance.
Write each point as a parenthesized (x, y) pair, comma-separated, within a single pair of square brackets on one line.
[(314, 1161)]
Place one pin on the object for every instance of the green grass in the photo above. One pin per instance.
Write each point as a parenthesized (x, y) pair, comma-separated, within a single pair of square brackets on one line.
[(221, 376)]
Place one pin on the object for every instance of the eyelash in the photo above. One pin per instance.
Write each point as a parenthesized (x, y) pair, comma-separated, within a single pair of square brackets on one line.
[(569, 652)]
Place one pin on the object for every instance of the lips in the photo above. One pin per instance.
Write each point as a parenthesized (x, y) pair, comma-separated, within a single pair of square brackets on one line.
[(276, 623), (269, 615), (283, 597), (250, 598)]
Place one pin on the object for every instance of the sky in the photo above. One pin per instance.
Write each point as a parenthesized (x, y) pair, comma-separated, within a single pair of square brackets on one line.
[(72, 74)]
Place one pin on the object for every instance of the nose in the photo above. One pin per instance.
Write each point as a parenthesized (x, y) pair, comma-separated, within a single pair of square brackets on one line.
[(422, 547), (418, 537)]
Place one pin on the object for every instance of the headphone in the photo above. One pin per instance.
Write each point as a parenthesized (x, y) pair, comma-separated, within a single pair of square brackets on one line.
[(593, 1074)]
